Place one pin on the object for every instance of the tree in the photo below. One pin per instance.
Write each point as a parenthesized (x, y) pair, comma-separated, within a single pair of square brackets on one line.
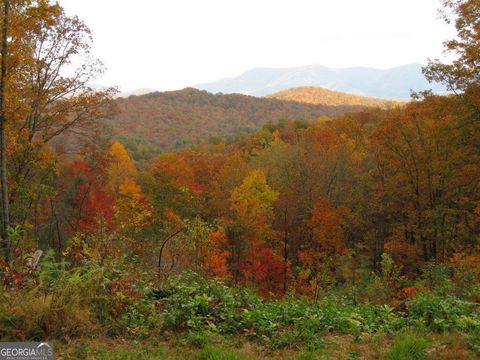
[(47, 97), (3, 146), (464, 71), (264, 269), (170, 182), (428, 175), (320, 256), (60, 103), (277, 161), (87, 195), (251, 226), (193, 245), (229, 176), (120, 167), (215, 258), (252, 203), (327, 222), (132, 211)]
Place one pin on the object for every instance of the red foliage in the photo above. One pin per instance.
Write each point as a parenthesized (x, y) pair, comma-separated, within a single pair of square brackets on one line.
[(265, 270), (91, 199)]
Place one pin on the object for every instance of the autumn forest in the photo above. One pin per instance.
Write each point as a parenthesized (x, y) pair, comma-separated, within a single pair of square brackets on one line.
[(201, 226)]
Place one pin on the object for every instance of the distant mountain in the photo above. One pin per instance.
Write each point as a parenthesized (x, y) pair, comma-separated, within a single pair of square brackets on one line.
[(394, 83), (321, 96), (136, 92), (125, 94), (167, 120)]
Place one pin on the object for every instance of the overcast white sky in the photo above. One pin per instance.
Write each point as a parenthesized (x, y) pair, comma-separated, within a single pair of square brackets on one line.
[(171, 44)]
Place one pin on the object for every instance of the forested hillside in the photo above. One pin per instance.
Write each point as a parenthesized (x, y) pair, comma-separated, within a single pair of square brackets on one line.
[(173, 119), (348, 237), (317, 95)]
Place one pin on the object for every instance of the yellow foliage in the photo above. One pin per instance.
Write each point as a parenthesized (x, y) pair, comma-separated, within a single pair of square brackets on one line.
[(121, 166), (321, 96), (252, 202), (132, 209)]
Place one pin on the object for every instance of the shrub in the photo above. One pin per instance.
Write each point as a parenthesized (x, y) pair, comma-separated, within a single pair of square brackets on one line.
[(381, 288), (438, 277), (61, 306), (195, 304), (73, 302), (440, 313), (34, 315)]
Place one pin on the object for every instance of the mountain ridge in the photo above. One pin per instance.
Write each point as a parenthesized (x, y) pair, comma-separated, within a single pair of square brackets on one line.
[(172, 119), (322, 96), (393, 83)]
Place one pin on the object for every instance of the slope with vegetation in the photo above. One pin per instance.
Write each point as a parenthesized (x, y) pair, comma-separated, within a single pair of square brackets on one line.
[(173, 119), (317, 95), (351, 237)]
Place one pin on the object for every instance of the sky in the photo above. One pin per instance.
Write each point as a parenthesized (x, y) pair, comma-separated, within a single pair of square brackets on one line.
[(172, 44)]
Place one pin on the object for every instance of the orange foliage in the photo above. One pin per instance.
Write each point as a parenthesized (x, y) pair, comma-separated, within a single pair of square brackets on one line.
[(410, 291), (176, 171), (215, 261), (327, 223), (173, 220), (467, 264)]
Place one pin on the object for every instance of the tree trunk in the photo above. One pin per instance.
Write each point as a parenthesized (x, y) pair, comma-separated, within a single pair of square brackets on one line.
[(285, 252), (160, 254), (3, 146)]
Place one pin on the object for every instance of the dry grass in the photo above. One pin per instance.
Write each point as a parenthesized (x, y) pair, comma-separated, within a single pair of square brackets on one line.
[(441, 347)]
